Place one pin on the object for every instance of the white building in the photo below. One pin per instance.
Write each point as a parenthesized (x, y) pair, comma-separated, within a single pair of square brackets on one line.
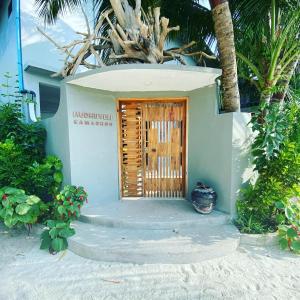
[(34, 56)]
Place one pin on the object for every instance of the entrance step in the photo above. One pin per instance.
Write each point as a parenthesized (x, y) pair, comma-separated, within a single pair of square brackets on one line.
[(151, 214), (178, 246)]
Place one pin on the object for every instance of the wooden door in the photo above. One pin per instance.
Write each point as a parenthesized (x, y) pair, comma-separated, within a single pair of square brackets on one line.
[(152, 148)]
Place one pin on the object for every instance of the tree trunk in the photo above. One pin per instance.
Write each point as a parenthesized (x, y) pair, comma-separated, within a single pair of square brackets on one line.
[(290, 70), (225, 37)]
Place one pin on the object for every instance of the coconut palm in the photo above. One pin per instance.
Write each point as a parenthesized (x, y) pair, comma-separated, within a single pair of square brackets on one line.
[(195, 16), (225, 37), (267, 39)]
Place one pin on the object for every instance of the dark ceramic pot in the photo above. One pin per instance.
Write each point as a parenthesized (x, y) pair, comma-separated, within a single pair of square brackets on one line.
[(203, 198)]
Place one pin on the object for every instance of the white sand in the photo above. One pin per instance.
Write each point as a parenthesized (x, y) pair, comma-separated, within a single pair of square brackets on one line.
[(251, 273)]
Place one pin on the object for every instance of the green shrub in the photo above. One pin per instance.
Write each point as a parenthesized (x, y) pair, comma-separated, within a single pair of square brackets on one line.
[(10, 124), (54, 238), (41, 179), (31, 137), (16, 208), (13, 164), (69, 202), (44, 179), (289, 235), (276, 153), (66, 208), (256, 209)]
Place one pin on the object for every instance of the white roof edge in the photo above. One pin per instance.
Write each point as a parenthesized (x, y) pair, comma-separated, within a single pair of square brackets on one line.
[(170, 67)]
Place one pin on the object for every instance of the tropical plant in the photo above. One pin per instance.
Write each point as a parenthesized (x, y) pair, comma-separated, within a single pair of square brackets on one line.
[(9, 92), (69, 202), (289, 235), (54, 238), (16, 208), (13, 164), (267, 39), (66, 208), (44, 179), (30, 137), (256, 208), (276, 152)]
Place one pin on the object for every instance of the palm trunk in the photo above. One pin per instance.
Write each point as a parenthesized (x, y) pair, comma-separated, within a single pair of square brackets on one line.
[(290, 70), (225, 37)]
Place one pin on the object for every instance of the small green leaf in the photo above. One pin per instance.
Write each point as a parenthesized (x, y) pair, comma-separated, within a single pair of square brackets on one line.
[(51, 223), (283, 243), (46, 240), (291, 233), (67, 232), (22, 209), (11, 190), (58, 244), (53, 233), (279, 205), (61, 225), (61, 210), (33, 200), (58, 177), (295, 245)]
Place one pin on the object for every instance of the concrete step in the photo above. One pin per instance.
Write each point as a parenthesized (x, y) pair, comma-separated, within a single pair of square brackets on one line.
[(158, 214), (144, 246)]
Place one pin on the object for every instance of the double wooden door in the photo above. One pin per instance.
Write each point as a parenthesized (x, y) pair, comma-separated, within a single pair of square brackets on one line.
[(152, 148)]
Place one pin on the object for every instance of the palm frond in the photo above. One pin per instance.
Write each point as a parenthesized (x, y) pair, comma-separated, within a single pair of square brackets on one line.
[(49, 10)]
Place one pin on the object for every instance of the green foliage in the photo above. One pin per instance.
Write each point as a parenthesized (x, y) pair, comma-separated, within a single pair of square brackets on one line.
[(13, 164), (66, 208), (10, 124), (54, 238), (17, 208), (31, 137), (256, 208), (44, 179), (289, 235), (22, 156), (69, 202), (276, 153)]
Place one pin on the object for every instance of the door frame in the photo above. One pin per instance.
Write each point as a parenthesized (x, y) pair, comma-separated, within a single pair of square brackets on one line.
[(185, 100)]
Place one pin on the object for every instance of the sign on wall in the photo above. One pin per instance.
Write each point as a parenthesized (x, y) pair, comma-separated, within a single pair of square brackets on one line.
[(92, 119)]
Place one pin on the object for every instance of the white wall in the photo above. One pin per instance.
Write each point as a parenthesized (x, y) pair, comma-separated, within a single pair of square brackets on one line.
[(218, 148), (217, 144)]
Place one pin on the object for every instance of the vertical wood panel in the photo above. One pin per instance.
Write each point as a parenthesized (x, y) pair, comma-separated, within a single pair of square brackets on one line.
[(153, 135)]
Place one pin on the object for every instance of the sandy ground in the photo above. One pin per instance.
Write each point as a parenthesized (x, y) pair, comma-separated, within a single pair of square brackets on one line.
[(250, 273)]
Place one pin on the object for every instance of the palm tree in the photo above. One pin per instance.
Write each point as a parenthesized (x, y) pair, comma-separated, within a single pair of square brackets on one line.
[(188, 13), (225, 37), (252, 19), (267, 39)]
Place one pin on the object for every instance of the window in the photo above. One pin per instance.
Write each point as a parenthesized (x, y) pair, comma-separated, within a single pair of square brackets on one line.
[(9, 9), (49, 100)]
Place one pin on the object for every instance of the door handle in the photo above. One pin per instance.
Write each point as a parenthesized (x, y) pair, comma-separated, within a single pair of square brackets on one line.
[(153, 150)]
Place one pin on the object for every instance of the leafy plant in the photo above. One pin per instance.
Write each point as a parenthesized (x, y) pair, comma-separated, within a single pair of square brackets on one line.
[(13, 164), (17, 208), (69, 202), (256, 208), (276, 153), (10, 124), (31, 137), (44, 179), (54, 238), (66, 208), (289, 235)]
